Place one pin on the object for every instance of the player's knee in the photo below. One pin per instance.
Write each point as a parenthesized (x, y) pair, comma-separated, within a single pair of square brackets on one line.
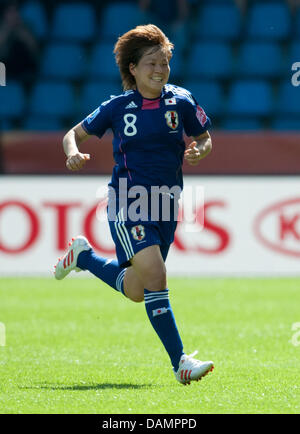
[(137, 298), (156, 280)]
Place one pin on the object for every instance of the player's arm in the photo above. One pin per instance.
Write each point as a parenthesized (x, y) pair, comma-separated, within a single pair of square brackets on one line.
[(198, 149), (71, 143)]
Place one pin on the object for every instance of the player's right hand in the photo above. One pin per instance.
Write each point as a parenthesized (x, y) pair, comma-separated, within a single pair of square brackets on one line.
[(77, 161)]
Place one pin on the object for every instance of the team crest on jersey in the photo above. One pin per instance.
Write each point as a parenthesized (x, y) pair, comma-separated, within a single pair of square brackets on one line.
[(138, 232), (172, 119)]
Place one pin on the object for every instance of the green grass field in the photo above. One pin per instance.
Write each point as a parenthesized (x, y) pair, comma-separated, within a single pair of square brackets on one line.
[(78, 346)]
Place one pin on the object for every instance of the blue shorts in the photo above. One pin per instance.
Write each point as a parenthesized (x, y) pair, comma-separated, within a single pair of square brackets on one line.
[(132, 236)]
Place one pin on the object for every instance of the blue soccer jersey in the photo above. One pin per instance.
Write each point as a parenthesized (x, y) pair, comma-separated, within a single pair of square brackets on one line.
[(148, 145)]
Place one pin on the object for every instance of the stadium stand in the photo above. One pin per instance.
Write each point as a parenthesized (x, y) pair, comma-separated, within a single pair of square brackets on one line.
[(219, 21), (211, 93), (249, 98), (40, 123), (102, 63), (294, 52), (176, 65), (210, 60), (34, 15), (118, 18), (297, 24), (52, 99), (63, 61), (270, 64), (288, 100), (13, 101), (238, 124), (75, 22), (269, 20), (95, 92), (237, 63)]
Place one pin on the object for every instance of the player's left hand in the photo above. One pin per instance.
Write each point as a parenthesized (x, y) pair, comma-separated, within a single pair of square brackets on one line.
[(193, 154)]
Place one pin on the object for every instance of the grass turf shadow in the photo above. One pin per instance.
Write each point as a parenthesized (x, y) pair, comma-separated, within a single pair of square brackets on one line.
[(87, 386)]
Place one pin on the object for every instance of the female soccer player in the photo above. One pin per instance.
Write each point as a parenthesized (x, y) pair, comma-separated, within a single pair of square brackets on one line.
[(147, 120)]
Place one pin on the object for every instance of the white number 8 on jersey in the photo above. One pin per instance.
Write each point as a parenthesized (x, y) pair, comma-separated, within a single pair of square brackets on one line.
[(130, 128)]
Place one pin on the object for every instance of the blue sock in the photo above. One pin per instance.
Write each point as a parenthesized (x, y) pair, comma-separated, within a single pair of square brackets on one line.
[(162, 319), (105, 269)]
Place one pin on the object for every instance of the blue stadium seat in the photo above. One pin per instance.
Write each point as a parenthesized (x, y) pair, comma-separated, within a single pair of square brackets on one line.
[(219, 21), (209, 95), (230, 2), (260, 59), (102, 63), (286, 124), (34, 15), (176, 65), (248, 124), (63, 60), (52, 99), (297, 23), (293, 53), (210, 60), (37, 123), (96, 92), (288, 101), (74, 21), (12, 100), (250, 98), (269, 20), (117, 18), (6, 125)]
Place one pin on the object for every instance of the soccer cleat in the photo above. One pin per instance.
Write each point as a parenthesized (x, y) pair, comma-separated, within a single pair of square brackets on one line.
[(192, 369), (68, 262)]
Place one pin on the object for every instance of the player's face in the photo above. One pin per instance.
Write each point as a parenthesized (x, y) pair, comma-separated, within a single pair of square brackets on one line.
[(151, 73)]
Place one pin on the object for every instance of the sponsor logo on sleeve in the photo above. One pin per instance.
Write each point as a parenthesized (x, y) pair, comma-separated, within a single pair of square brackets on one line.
[(92, 116), (201, 115)]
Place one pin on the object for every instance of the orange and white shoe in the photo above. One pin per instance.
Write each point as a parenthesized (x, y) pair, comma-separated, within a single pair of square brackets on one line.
[(191, 369), (68, 262)]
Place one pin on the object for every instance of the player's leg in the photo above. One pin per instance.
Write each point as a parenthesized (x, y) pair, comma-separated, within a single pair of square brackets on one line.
[(151, 270), (133, 284), (148, 270), (150, 267), (125, 280), (109, 271), (81, 256)]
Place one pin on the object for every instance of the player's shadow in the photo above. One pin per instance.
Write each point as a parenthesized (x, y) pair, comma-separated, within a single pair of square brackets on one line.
[(99, 386)]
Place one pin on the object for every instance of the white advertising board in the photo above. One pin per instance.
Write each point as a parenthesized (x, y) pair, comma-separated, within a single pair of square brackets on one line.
[(251, 225)]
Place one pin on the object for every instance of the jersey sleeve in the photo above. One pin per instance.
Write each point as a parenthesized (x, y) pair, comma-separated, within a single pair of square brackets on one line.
[(98, 121), (195, 120)]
